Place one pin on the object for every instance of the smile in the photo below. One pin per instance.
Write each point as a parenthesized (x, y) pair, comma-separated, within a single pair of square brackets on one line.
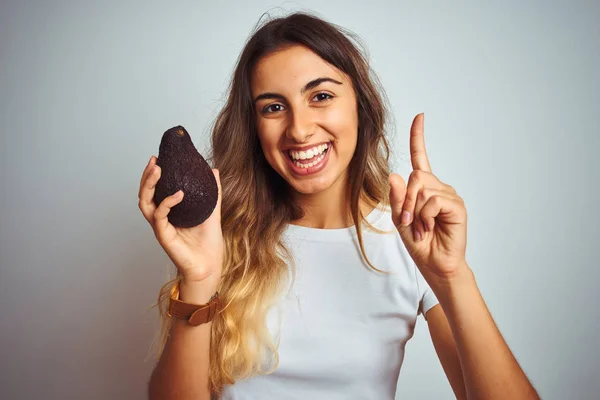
[(308, 161)]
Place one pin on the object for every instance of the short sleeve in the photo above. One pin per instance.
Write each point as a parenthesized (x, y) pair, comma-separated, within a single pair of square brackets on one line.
[(427, 298)]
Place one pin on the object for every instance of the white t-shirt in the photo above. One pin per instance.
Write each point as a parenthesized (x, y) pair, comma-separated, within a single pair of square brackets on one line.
[(342, 327)]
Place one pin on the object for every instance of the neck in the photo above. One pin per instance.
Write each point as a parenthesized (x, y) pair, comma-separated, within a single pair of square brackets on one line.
[(329, 209)]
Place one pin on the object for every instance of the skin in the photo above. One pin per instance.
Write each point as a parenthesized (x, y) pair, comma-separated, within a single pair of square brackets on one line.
[(431, 219), (294, 117), (473, 354)]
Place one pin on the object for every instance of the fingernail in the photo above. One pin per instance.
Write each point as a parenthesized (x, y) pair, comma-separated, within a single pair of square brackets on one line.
[(405, 217), (418, 236)]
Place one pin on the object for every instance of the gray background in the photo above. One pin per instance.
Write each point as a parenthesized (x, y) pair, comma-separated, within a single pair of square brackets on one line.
[(511, 96)]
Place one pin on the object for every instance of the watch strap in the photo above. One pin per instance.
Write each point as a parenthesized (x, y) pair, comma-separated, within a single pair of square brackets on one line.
[(195, 314)]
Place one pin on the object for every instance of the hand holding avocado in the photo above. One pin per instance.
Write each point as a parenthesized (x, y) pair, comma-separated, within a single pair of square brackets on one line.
[(184, 207)]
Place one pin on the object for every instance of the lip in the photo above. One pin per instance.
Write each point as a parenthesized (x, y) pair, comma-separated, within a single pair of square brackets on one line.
[(303, 148), (310, 170)]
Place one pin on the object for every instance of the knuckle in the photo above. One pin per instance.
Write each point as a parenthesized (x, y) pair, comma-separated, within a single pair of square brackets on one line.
[(417, 174), (412, 177), (151, 183), (151, 179)]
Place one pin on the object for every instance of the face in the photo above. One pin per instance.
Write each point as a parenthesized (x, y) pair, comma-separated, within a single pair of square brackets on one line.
[(306, 117)]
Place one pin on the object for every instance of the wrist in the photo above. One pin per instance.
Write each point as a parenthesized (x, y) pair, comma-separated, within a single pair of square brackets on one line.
[(197, 292), (207, 273), (449, 287)]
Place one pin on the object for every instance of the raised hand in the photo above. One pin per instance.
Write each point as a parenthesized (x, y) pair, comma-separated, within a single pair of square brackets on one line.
[(430, 217), (196, 252)]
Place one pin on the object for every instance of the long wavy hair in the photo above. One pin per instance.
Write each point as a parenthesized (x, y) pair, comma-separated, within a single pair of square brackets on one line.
[(257, 203)]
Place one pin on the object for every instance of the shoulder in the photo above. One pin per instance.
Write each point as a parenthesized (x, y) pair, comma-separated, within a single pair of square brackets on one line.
[(379, 219)]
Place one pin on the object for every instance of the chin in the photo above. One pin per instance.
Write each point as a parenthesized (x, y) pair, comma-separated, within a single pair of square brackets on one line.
[(309, 189), (312, 186)]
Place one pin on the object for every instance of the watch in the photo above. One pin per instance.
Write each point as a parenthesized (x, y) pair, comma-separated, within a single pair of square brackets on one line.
[(195, 314)]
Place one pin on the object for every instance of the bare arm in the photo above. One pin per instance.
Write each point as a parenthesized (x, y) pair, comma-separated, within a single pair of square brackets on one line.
[(489, 368), (182, 371), (445, 347)]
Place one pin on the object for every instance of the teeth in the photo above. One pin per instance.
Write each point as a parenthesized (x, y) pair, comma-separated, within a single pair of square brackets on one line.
[(310, 164), (307, 155)]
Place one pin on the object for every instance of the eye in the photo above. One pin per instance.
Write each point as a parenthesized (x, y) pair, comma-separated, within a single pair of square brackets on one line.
[(272, 108), (322, 96)]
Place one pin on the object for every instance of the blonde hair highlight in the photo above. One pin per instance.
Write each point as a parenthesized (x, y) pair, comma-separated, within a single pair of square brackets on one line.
[(257, 204)]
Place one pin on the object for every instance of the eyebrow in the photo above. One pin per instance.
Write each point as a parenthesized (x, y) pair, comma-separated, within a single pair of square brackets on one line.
[(310, 85)]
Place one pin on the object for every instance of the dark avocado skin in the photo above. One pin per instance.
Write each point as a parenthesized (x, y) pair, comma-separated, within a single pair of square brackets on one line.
[(184, 168)]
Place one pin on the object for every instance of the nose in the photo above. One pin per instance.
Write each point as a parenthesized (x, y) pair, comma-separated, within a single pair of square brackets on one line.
[(301, 126)]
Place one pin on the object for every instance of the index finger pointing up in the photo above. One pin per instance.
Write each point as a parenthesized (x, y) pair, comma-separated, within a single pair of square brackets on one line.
[(418, 154)]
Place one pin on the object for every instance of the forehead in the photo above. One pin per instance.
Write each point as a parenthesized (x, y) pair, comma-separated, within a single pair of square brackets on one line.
[(291, 68)]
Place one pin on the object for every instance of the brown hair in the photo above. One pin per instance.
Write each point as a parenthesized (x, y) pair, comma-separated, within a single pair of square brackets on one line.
[(257, 203)]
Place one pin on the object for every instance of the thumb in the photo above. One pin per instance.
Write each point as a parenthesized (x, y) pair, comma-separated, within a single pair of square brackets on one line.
[(397, 196)]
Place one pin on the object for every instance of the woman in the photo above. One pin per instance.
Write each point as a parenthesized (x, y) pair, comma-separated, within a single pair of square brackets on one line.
[(316, 305)]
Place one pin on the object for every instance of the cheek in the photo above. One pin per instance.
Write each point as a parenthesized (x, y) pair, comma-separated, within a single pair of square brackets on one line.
[(269, 136), (343, 123)]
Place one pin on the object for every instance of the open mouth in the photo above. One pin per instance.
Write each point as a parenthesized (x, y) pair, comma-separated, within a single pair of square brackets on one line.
[(310, 158)]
